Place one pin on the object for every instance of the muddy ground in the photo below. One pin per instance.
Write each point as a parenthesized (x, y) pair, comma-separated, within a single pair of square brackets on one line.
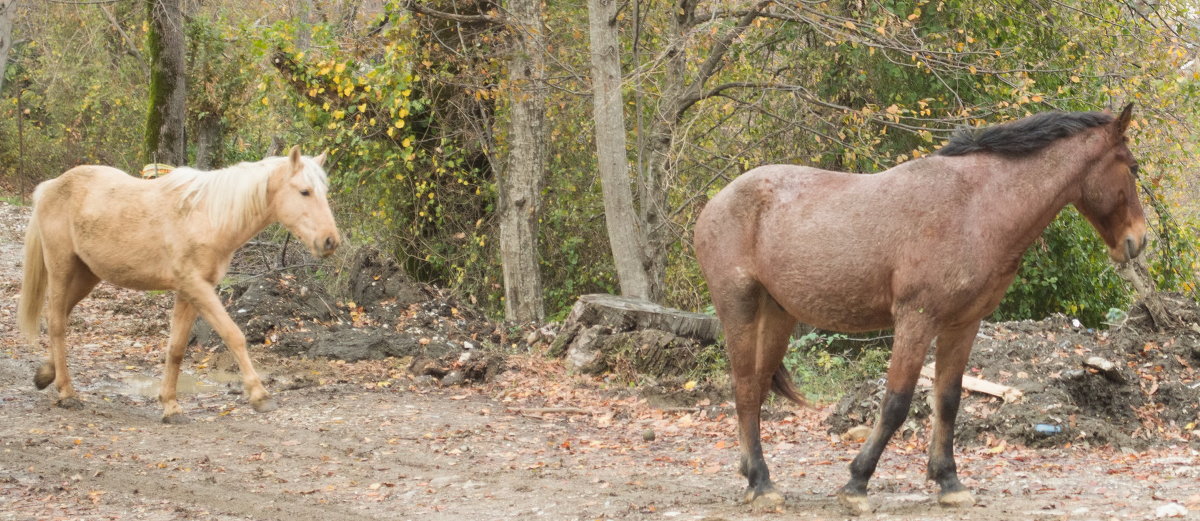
[(381, 439)]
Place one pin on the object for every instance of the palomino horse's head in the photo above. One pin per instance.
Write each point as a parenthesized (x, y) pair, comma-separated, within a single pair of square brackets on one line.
[(297, 194), (1110, 198)]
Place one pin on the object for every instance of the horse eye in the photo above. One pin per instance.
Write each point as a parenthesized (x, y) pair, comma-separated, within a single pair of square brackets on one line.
[(1133, 169), (306, 192)]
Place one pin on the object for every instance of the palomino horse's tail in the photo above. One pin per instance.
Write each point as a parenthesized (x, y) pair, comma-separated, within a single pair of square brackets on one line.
[(782, 384), (33, 287)]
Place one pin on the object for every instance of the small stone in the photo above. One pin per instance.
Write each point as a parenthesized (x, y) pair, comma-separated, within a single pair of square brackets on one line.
[(1170, 510), (857, 434), (648, 435), (454, 377)]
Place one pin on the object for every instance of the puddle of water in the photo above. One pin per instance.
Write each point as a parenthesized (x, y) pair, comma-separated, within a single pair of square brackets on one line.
[(144, 386)]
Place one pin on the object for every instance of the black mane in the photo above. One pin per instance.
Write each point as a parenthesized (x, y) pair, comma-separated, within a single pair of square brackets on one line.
[(1022, 136)]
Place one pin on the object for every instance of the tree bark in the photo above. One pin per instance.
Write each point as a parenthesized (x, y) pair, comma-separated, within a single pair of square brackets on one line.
[(7, 8), (522, 178), (626, 233), (683, 86), (166, 139), (210, 135)]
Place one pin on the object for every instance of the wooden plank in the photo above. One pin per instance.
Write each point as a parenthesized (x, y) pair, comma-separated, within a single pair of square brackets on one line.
[(979, 385)]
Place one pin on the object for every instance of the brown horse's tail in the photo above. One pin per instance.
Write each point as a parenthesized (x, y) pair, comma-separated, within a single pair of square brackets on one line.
[(33, 286), (782, 384)]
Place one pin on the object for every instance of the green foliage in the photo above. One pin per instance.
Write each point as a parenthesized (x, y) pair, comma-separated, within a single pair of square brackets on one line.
[(823, 372), (406, 184), (1176, 267), (77, 105)]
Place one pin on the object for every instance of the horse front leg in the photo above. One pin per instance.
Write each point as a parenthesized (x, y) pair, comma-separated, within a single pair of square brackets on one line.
[(182, 318), (953, 350), (908, 352), (204, 298)]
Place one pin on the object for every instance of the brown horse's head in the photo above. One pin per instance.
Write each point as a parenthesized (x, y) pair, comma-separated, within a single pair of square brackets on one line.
[(298, 198), (1110, 198)]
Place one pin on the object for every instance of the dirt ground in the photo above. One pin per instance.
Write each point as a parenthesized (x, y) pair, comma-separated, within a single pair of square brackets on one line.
[(371, 440)]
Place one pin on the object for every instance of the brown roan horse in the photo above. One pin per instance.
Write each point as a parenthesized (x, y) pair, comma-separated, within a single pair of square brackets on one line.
[(927, 248), (177, 232)]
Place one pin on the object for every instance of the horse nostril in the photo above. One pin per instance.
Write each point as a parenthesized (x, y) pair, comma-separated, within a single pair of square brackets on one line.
[(329, 243), (1131, 249)]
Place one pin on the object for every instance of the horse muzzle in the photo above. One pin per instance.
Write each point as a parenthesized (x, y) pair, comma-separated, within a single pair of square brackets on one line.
[(1130, 248), (326, 247)]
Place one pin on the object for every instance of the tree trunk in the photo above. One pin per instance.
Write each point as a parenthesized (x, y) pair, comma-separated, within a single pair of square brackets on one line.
[(7, 7), (522, 178), (209, 141), (626, 234), (166, 140), (652, 182)]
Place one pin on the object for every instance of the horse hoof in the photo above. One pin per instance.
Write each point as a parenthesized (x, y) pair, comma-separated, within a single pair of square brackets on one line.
[(857, 504), (176, 419), (770, 501), (71, 402), (44, 375), (264, 405), (956, 499)]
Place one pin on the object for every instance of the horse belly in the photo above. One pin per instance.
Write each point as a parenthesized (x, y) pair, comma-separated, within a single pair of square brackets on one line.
[(123, 249), (836, 311), (849, 296)]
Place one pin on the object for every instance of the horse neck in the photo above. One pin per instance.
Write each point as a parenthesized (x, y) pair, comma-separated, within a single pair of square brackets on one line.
[(233, 232), (1028, 193)]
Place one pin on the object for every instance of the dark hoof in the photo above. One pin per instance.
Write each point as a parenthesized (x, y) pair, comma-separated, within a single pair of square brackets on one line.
[(72, 403), (854, 502), (176, 419), (264, 405), (44, 375)]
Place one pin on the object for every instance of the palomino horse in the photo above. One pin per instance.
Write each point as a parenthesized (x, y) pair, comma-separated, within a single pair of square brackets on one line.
[(927, 248), (177, 232)]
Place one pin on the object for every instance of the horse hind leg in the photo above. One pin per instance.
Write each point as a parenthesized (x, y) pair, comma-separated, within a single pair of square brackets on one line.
[(182, 319), (64, 293), (757, 331)]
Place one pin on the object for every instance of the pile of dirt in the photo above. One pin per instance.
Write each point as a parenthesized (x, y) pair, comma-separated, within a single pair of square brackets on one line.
[(383, 314), (1147, 394)]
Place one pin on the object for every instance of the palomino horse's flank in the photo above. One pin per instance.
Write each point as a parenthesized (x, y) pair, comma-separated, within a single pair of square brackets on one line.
[(927, 248), (81, 234)]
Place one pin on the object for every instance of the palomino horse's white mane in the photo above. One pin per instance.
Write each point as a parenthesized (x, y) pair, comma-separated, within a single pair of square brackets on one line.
[(235, 195)]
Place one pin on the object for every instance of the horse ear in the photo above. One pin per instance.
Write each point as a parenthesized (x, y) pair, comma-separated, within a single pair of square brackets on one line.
[(321, 159), (1123, 119), (294, 158)]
